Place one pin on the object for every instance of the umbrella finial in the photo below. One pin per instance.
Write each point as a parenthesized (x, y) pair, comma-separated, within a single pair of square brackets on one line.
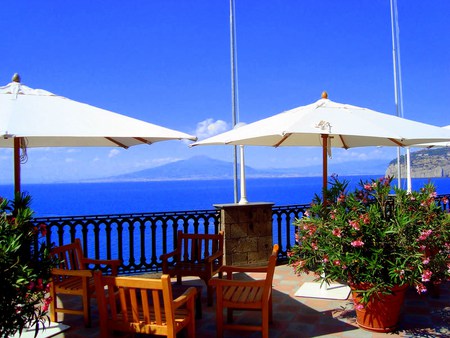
[(16, 77), (324, 95)]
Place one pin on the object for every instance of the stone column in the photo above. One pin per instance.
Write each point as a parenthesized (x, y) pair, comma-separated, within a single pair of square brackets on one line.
[(248, 233)]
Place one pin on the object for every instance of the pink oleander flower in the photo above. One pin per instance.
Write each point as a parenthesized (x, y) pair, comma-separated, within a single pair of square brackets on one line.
[(333, 214), (368, 186), (433, 194), (307, 213), (421, 288), (365, 218), (354, 224), (341, 198), (314, 245), (426, 275), (426, 261), (337, 232), (325, 259), (358, 306), (357, 243), (337, 262), (425, 234), (312, 230)]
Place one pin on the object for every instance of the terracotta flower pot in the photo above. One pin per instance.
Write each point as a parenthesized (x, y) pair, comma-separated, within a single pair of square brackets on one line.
[(380, 314)]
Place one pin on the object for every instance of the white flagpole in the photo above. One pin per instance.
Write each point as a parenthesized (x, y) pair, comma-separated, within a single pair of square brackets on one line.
[(235, 111), (233, 94), (397, 76)]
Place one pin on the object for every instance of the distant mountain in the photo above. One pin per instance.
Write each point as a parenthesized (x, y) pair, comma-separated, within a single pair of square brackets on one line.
[(203, 167), (424, 163)]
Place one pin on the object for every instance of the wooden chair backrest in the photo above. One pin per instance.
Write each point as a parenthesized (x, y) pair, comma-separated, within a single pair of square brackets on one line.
[(270, 272), (195, 247), (70, 256), (134, 304)]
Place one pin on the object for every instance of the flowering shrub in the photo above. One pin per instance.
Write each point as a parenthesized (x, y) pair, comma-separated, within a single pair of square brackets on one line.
[(24, 273), (373, 239)]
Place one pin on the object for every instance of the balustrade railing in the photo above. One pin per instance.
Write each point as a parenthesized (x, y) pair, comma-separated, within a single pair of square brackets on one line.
[(139, 239)]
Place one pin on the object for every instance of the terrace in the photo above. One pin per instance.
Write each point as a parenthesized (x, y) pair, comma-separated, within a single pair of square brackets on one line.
[(139, 239), (423, 316)]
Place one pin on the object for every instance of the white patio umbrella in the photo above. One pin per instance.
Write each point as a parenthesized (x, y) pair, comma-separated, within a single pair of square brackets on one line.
[(37, 118), (330, 124)]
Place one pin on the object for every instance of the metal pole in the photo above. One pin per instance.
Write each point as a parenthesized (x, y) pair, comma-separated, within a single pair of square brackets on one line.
[(394, 58), (233, 95)]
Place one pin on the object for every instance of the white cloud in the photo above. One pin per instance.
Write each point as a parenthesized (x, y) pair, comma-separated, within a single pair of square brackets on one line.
[(209, 127), (69, 160), (113, 153)]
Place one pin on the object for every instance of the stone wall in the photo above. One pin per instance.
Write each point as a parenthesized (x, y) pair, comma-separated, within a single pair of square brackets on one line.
[(247, 233)]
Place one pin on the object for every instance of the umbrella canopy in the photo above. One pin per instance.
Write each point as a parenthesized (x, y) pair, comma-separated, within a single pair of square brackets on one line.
[(435, 144), (329, 124), (37, 118), (423, 145)]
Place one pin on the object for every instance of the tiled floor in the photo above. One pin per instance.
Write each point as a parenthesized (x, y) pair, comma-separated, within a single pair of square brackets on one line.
[(422, 316)]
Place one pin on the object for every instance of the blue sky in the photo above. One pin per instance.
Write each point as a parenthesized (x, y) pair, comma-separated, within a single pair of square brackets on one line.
[(168, 62)]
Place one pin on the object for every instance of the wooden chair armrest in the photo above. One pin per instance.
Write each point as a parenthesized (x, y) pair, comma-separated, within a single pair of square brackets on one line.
[(231, 269), (113, 263), (166, 256), (185, 297), (214, 256), (74, 273), (236, 282)]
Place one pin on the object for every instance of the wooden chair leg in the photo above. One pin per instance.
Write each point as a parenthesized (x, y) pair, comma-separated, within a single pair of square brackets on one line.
[(265, 322), (86, 309), (191, 328), (219, 317), (270, 310), (53, 313), (209, 294)]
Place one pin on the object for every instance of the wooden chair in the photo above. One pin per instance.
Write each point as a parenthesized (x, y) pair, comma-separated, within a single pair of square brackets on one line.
[(234, 294), (198, 255), (143, 305), (72, 276)]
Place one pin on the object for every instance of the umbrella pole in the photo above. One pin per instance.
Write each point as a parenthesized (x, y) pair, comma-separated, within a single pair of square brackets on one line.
[(324, 164), (17, 141), (243, 199)]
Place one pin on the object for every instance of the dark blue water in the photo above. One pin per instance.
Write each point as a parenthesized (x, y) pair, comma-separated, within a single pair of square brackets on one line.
[(138, 197)]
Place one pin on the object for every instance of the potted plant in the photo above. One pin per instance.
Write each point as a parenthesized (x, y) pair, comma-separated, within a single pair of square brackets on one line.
[(24, 271), (379, 239)]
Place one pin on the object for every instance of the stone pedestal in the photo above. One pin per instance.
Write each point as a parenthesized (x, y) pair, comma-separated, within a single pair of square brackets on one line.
[(247, 233)]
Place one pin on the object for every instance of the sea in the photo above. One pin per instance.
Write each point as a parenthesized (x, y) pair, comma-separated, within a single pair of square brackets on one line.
[(80, 199)]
